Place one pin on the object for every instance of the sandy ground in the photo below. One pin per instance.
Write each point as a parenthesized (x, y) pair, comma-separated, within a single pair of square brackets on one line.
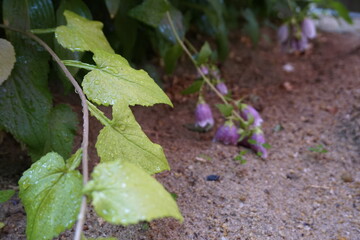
[(294, 194)]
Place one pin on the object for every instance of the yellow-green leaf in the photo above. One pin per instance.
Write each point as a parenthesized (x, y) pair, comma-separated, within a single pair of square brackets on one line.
[(82, 34), (115, 80), (124, 194), (123, 138), (51, 194), (7, 59)]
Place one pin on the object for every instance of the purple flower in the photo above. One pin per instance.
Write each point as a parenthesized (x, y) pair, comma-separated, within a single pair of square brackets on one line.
[(256, 142), (299, 44), (227, 134), (248, 112), (308, 28), (203, 116), (204, 70), (283, 33), (222, 88)]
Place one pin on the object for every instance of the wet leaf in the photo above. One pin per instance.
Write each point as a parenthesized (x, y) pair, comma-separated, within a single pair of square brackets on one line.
[(7, 59), (51, 194), (5, 195), (165, 29), (81, 34), (80, 8), (150, 12), (112, 6), (116, 80), (123, 193), (122, 138)]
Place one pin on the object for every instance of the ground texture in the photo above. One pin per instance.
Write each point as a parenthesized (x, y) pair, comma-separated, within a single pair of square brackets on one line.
[(294, 194)]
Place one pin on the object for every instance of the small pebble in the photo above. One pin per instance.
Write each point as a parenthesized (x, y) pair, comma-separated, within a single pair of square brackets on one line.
[(213, 178), (346, 177)]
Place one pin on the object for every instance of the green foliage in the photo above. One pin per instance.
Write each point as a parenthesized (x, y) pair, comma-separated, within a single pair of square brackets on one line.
[(122, 138), (5, 195), (150, 12), (25, 101), (225, 109), (204, 54), (7, 59), (251, 28), (318, 149), (124, 194), (194, 87), (2, 225), (115, 80), (51, 193), (76, 34)]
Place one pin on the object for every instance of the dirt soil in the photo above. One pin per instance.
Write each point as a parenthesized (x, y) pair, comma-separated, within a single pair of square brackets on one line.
[(294, 194)]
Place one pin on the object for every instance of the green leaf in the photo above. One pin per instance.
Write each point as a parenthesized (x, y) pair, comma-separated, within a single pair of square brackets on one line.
[(122, 138), (225, 109), (2, 225), (80, 8), (116, 80), (318, 149), (171, 56), (28, 14), (124, 194), (112, 6), (51, 194), (193, 88), (204, 54), (5, 195), (251, 28), (62, 129), (7, 59), (150, 12), (82, 34), (165, 29)]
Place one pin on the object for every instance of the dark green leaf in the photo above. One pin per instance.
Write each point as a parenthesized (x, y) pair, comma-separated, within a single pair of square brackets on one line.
[(193, 88), (251, 28), (51, 194), (225, 109), (123, 193), (252, 141), (150, 12), (172, 54), (62, 129), (267, 146), (5, 195), (165, 29), (318, 149), (112, 6), (204, 54)]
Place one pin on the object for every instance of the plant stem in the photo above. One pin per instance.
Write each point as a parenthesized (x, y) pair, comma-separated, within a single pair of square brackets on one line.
[(242, 121), (85, 142)]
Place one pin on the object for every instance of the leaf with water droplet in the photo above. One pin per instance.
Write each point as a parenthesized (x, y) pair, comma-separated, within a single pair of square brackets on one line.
[(150, 12), (51, 194), (123, 138), (123, 193), (116, 80), (81, 34), (7, 59)]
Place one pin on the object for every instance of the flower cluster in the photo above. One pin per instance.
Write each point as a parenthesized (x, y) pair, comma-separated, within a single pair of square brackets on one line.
[(243, 126), (294, 37)]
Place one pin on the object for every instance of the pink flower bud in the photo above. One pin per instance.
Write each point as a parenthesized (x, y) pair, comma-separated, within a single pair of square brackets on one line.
[(248, 112), (203, 116), (222, 88), (227, 134), (308, 28)]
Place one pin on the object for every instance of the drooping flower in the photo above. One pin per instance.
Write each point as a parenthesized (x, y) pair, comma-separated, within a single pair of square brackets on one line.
[(204, 69), (203, 116), (222, 88), (227, 134), (308, 28), (256, 142), (283, 33), (248, 113)]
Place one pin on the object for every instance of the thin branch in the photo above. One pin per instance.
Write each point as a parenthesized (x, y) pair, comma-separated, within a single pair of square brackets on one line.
[(85, 142), (241, 120)]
